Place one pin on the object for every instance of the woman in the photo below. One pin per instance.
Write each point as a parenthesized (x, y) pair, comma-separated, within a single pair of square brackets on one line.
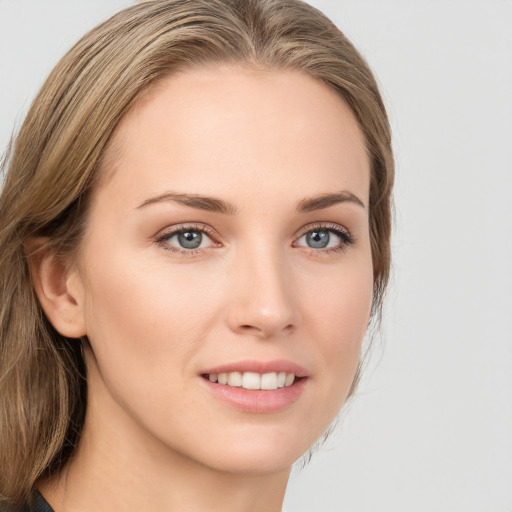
[(195, 231)]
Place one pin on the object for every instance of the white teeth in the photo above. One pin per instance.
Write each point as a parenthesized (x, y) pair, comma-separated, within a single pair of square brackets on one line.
[(252, 380), (235, 379), (269, 381)]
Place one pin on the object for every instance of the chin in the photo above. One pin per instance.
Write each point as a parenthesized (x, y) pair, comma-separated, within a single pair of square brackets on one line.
[(257, 461), (256, 450)]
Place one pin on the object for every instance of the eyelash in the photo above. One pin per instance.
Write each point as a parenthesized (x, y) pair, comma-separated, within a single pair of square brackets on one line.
[(201, 228), (343, 234), (346, 238)]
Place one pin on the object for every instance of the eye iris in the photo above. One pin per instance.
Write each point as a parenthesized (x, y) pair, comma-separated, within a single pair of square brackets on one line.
[(318, 239), (190, 239)]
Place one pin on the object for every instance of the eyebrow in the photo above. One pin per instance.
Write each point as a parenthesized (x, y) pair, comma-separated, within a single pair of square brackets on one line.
[(326, 200), (215, 205), (198, 201)]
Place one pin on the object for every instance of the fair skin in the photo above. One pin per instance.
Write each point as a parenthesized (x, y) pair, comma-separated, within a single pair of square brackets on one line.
[(279, 281)]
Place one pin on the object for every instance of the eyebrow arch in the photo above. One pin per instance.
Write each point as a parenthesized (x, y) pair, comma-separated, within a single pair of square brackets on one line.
[(326, 200), (210, 204)]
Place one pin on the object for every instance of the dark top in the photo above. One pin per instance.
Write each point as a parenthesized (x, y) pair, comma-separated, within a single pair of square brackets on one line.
[(40, 504)]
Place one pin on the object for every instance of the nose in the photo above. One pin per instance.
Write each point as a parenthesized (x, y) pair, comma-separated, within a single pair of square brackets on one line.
[(263, 302)]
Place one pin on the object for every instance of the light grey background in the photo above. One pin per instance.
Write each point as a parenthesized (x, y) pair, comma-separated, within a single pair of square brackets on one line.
[(431, 428)]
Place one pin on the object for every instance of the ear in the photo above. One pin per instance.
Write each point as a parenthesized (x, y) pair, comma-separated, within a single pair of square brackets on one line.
[(58, 288)]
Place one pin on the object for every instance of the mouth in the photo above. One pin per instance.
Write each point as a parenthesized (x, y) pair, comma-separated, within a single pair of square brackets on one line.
[(257, 387), (252, 380)]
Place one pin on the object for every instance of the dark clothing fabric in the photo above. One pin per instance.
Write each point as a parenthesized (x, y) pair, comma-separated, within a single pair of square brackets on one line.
[(40, 504)]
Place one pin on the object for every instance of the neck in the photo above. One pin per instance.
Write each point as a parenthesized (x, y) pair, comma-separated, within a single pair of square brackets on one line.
[(82, 488)]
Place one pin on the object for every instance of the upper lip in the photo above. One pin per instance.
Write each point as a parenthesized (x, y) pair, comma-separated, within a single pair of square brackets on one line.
[(280, 365)]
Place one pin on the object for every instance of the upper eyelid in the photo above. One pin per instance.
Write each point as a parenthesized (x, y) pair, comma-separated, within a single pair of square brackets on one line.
[(162, 237), (172, 230), (211, 231), (334, 226)]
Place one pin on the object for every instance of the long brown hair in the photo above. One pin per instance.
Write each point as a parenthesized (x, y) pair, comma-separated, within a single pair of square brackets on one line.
[(57, 155)]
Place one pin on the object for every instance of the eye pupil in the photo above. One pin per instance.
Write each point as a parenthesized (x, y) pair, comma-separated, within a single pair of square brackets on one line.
[(190, 239), (318, 239)]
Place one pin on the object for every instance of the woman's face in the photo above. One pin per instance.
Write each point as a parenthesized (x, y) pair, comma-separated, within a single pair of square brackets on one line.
[(228, 242)]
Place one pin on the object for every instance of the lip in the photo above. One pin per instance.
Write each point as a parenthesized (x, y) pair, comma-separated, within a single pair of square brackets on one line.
[(258, 401), (279, 365)]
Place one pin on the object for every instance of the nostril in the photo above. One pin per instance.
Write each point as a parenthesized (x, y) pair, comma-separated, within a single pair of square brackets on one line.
[(251, 329), (265, 331)]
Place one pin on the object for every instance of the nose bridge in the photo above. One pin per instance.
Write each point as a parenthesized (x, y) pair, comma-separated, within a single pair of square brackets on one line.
[(263, 302)]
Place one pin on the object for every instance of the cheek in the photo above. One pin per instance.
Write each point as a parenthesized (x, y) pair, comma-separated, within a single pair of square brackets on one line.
[(146, 323), (143, 300), (144, 315), (340, 319)]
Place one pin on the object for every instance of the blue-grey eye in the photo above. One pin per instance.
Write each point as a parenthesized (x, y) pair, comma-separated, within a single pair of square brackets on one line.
[(318, 239), (324, 238), (190, 239)]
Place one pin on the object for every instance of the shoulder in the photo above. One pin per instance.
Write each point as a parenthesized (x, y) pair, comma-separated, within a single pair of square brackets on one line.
[(40, 504)]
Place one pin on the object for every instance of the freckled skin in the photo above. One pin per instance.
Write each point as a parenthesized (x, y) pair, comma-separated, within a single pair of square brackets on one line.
[(156, 318)]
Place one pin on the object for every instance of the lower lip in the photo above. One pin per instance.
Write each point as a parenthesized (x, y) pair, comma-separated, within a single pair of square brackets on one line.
[(256, 400)]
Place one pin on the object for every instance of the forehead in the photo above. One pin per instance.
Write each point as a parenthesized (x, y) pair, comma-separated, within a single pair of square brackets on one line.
[(215, 130)]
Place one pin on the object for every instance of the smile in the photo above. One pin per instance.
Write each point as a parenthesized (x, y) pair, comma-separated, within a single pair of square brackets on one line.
[(257, 386), (252, 380)]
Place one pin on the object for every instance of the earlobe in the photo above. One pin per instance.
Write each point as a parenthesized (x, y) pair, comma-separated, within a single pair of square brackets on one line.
[(57, 288)]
